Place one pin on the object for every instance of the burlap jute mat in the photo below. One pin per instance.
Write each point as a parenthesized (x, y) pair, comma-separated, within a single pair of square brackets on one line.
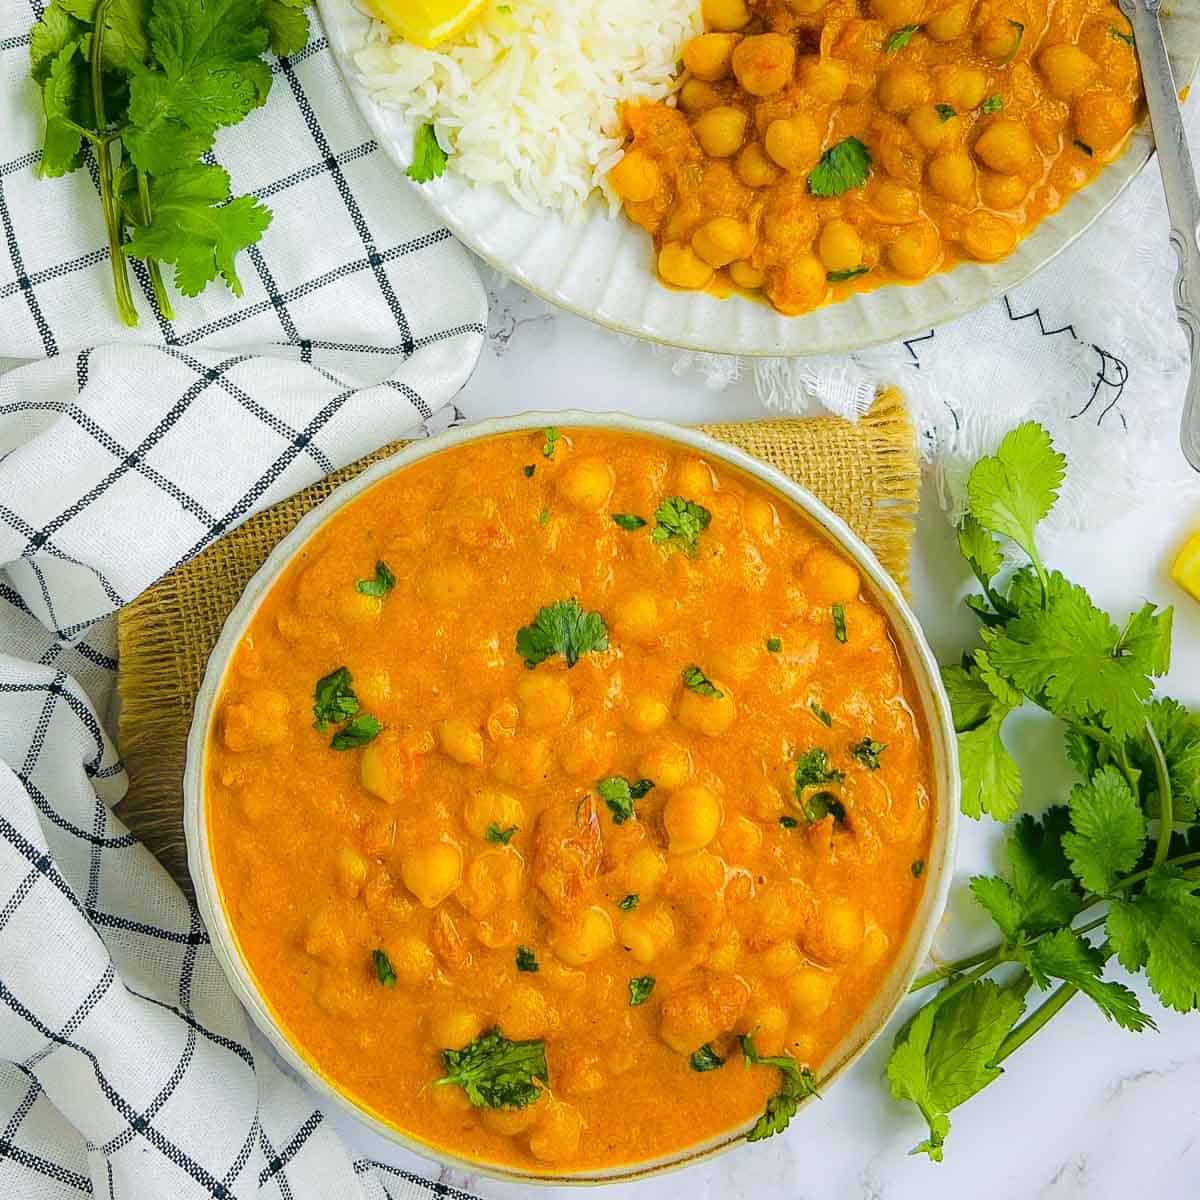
[(866, 472)]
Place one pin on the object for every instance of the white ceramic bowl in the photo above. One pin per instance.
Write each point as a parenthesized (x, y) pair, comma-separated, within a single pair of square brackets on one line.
[(912, 645), (603, 268)]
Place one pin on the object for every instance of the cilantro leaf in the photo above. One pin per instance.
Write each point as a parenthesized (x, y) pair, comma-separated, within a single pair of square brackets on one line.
[(945, 1054), (1109, 830), (680, 522), (867, 752), (980, 549), (628, 521), (1146, 639), (383, 968), (774, 645), (640, 988), (49, 37), (944, 111), (842, 167), (788, 822), (497, 836), (838, 612), (696, 681), (1159, 929), (848, 273), (496, 1072), (820, 805), (705, 1059), (562, 628), (619, 794), (822, 714), (526, 960), (193, 228), (1011, 491), (333, 699), (287, 26), (797, 1084), (551, 441), (899, 39), (1064, 955), (383, 582), (63, 93), (356, 733), (429, 159), (630, 902), (813, 769), (993, 104), (991, 779), (1120, 35), (1178, 732)]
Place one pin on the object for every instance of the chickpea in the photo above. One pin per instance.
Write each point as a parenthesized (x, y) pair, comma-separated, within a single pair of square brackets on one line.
[(837, 933), (681, 267), (668, 764), (768, 1023), (524, 761), (999, 39), (696, 96), (645, 714), (894, 202), (325, 936), (694, 479), (915, 251), (935, 127), (351, 870), (988, 237), (587, 483), (709, 715), (949, 23), (635, 177), (825, 79), (902, 87), (432, 873), (875, 945), (449, 584), (793, 142), (260, 719), (754, 168), (720, 240), (839, 246), (354, 606), (586, 748), (584, 940), (828, 578), (952, 175), (544, 699), (763, 63), (491, 806), (799, 286), (643, 871), (760, 517), (526, 1013), (636, 617), (963, 88), (692, 817), (461, 740), (1102, 120), (810, 992), (709, 57), (721, 130), (897, 13), (1066, 69), (726, 950), (725, 14), (412, 960), (1001, 191), (781, 960), (555, 1137), (740, 838), (453, 1029), (1005, 146), (698, 1012), (508, 1121), (646, 933), (374, 687)]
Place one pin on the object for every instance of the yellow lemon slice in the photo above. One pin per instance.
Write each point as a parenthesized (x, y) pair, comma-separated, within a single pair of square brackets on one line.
[(428, 23), (1185, 570)]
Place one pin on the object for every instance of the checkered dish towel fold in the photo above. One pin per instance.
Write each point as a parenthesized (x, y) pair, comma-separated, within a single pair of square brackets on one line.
[(127, 1068)]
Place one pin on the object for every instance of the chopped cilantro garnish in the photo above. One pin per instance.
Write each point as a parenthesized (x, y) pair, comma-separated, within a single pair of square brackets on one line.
[(797, 1084), (705, 1059), (630, 902), (899, 39), (498, 836), (383, 582), (544, 517), (993, 104), (551, 441), (774, 645), (838, 612), (1120, 35), (619, 794), (867, 752), (842, 276), (918, 868), (526, 959), (640, 988), (821, 714), (629, 521), (383, 968), (680, 522), (813, 769), (528, 470), (357, 732), (944, 111), (429, 159), (333, 699), (841, 168), (562, 628), (788, 822), (696, 681), (1083, 146), (820, 805), (496, 1072)]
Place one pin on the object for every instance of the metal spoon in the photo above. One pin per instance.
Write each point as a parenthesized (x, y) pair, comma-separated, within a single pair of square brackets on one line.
[(1183, 198)]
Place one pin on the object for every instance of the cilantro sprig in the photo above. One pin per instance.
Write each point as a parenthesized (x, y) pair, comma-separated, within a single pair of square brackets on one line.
[(1114, 872), (562, 628), (145, 85), (797, 1084), (619, 794), (680, 522), (842, 167), (496, 1072)]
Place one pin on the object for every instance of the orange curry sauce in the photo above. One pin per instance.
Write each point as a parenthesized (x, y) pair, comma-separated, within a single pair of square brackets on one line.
[(979, 118), (756, 909)]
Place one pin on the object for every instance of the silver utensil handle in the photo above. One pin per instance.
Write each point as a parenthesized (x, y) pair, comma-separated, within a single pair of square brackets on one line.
[(1183, 198)]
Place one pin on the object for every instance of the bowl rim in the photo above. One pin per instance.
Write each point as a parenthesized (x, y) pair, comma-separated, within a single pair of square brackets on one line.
[(905, 629)]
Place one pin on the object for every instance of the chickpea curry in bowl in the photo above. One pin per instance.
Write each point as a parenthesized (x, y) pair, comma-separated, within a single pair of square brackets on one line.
[(560, 772), (821, 147)]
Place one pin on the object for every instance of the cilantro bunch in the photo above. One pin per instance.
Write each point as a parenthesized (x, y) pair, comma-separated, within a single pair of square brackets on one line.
[(1114, 872), (144, 85)]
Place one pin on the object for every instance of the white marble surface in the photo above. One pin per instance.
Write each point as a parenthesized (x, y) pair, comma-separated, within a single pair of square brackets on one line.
[(1085, 1109)]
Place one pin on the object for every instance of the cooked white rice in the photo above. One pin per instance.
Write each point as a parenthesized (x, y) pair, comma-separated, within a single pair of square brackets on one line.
[(528, 97)]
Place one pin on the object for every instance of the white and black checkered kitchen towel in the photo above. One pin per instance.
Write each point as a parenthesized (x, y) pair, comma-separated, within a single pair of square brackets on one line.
[(127, 1068)]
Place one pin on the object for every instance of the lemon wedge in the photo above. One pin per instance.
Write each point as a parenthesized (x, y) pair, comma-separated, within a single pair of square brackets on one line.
[(1185, 570), (428, 23)]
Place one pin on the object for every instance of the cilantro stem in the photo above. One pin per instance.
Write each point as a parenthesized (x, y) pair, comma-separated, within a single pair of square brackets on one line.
[(160, 288), (1180, 860), (947, 970), (108, 201), (1032, 1023), (1165, 803)]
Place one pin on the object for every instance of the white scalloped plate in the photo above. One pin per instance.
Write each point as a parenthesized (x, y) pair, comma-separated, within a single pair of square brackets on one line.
[(602, 268)]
